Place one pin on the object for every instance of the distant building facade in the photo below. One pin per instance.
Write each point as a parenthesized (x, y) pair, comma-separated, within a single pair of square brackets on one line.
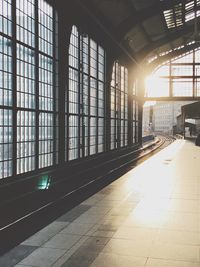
[(147, 125), (164, 116)]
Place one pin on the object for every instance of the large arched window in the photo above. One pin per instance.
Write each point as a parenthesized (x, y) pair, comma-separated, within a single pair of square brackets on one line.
[(27, 86), (179, 77), (85, 101), (119, 106)]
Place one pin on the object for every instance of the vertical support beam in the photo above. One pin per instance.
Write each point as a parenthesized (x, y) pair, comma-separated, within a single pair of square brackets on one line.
[(89, 96), (141, 91), (81, 128), (109, 67), (193, 80), (170, 79), (118, 104), (130, 107), (184, 125), (63, 45), (55, 85), (140, 115), (97, 101), (37, 86), (14, 91)]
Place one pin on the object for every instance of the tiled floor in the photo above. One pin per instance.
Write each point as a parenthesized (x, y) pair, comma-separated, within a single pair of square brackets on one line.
[(150, 217)]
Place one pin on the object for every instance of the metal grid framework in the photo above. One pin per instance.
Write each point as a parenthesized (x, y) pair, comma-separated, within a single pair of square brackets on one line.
[(135, 122), (180, 77), (119, 106), (181, 13), (85, 101), (28, 106)]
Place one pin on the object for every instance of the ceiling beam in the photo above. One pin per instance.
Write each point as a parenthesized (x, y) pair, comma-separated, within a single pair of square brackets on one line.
[(109, 33), (164, 24), (141, 27), (172, 36), (144, 14), (172, 98)]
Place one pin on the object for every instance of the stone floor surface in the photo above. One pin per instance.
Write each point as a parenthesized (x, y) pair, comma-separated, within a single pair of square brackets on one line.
[(150, 217)]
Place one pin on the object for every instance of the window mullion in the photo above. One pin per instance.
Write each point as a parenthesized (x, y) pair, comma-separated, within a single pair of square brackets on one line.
[(14, 87), (97, 100), (79, 97), (54, 92), (37, 85), (88, 98)]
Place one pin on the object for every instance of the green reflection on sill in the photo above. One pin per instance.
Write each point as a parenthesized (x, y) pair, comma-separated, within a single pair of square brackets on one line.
[(44, 182)]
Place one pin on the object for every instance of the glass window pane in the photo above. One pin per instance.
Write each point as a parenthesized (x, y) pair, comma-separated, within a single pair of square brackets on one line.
[(6, 17), (25, 19), (25, 141), (84, 102)]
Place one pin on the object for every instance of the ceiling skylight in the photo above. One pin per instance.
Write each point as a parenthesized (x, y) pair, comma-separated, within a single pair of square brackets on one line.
[(174, 16), (181, 13)]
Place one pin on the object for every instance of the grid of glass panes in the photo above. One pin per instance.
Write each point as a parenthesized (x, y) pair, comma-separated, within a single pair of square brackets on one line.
[(113, 111), (101, 99), (119, 106), (46, 91), (181, 70), (93, 96), (180, 76), (25, 77), (5, 71), (135, 113), (135, 121), (197, 72), (46, 141), (93, 113), (25, 99), (182, 87), (25, 141), (197, 86), (85, 109), (135, 87), (96, 94), (6, 146), (25, 113), (25, 19), (6, 17), (6, 119), (124, 116), (85, 97), (47, 80), (46, 27), (56, 94), (122, 106), (85, 132), (72, 135)]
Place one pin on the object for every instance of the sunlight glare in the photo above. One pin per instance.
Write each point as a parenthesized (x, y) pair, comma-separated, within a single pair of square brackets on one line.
[(156, 86), (154, 181)]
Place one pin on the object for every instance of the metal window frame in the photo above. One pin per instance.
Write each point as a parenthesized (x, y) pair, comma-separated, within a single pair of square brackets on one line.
[(14, 108), (82, 146), (121, 139)]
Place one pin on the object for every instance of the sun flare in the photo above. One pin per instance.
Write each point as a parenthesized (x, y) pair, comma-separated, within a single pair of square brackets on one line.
[(156, 86)]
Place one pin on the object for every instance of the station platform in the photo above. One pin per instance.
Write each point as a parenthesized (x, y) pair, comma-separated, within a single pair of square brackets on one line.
[(149, 217)]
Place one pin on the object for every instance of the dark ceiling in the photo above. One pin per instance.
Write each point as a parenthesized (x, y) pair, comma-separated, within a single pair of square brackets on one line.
[(150, 29)]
